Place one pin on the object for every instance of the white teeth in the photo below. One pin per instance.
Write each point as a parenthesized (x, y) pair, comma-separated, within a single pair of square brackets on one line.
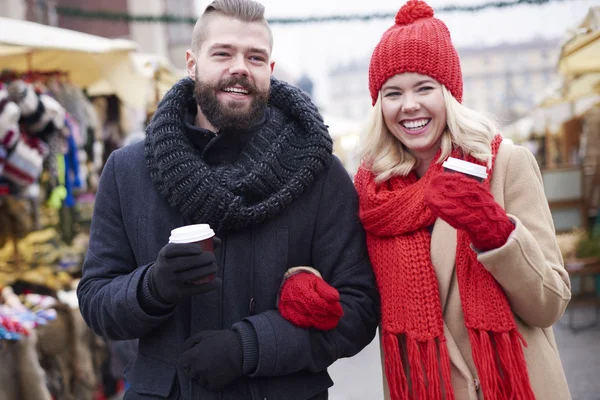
[(235, 90), (419, 123)]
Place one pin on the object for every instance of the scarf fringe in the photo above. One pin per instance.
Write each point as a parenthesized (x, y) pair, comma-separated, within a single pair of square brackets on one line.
[(445, 363), (501, 365), (426, 368), (429, 353), (394, 370), (417, 377)]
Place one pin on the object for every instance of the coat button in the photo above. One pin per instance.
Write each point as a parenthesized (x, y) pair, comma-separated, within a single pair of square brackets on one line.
[(252, 306)]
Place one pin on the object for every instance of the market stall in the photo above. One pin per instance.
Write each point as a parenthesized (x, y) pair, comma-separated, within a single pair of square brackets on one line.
[(54, 140), (140, 82), (27, 46), (577, 168), (580, 52)]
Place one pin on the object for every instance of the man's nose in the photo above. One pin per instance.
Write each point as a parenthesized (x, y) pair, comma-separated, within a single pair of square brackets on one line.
[(239, 66)]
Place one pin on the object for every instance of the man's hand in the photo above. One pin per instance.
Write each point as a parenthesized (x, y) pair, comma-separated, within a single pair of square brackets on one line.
[(214, 358), (182, 270)]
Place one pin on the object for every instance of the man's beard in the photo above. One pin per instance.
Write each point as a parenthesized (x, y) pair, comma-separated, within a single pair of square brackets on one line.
[(232, 115)]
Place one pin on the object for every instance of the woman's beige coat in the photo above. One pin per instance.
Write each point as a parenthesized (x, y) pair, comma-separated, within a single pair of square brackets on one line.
[(530, 269)]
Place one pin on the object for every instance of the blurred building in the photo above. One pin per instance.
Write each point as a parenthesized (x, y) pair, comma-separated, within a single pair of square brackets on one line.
[(503, 79), (349, 90), (169, 40), (506, 79), (13, 9)]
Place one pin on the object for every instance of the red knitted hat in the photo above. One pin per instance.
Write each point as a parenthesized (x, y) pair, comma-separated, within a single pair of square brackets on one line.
[(420, 43)]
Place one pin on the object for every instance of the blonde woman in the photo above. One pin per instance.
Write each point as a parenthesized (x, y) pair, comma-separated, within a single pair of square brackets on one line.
[(470, 275)]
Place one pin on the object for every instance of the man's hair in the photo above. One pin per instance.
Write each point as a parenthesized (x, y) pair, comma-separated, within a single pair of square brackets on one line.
[(242, 10)]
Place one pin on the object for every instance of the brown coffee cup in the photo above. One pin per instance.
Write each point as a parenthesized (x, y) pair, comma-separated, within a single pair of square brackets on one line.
[(206, 244), (201, 234)]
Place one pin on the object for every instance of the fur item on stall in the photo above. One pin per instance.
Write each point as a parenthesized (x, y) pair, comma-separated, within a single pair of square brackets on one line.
[(56, 348), (8, 376), (32, 377), (71, 354), (15, 217), (90, 351)]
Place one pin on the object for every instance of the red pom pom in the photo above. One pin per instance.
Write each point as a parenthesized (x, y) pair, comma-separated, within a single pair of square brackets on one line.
[(412, 11)]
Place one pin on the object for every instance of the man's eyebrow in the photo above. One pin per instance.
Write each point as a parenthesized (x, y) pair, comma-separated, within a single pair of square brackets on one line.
[(259, 50), (221, 46), (232, 47)]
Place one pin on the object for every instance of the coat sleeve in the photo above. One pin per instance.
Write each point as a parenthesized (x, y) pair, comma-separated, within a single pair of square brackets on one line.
[(108, 290), (529, 266), (339, 253)]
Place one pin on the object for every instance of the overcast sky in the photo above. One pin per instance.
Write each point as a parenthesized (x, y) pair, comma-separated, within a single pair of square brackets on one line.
[(316, 48)]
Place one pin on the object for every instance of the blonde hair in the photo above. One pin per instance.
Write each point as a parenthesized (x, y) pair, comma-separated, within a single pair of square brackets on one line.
[(242, 10), (467, 129)]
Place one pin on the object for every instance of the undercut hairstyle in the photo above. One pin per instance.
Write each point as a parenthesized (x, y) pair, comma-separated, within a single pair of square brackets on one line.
[(242, 10)]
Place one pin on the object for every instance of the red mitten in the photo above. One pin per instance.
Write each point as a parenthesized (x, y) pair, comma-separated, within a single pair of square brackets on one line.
[(468, 205), (307, 301)]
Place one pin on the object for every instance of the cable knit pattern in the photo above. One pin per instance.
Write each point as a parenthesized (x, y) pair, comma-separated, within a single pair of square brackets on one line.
[(396, 216), (420, 43), (278, 164), (307, 301), (469, 206)]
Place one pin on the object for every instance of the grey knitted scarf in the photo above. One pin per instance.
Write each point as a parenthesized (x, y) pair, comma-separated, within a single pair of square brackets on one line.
[(277, 165)]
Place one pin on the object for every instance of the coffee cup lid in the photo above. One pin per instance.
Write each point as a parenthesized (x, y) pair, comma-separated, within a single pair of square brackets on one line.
[(465, 167), (191, 233)]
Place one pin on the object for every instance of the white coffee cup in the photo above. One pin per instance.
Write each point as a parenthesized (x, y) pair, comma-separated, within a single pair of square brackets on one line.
[(198, 233), (475, 171)]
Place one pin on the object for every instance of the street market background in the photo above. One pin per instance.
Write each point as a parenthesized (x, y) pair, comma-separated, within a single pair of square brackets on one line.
[(536, 61)]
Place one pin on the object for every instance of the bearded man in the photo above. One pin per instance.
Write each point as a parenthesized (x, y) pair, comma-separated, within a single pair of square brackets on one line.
[(250, 156)]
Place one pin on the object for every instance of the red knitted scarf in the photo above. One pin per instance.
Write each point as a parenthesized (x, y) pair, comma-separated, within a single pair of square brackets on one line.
[(396, 219)]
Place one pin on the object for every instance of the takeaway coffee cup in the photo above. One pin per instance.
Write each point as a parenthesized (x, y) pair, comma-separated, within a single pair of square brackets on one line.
[(201, 234), (475, 171)]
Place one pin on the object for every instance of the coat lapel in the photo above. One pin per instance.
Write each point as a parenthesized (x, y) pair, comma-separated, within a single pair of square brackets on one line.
[(443, 256)]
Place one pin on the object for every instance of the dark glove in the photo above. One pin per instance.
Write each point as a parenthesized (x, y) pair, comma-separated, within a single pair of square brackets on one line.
[(468, 205), (307, 301), (214, 358), (182, 270)]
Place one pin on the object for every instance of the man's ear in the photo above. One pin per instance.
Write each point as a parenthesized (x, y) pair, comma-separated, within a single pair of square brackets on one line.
[(272, 66), (190, 64)]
